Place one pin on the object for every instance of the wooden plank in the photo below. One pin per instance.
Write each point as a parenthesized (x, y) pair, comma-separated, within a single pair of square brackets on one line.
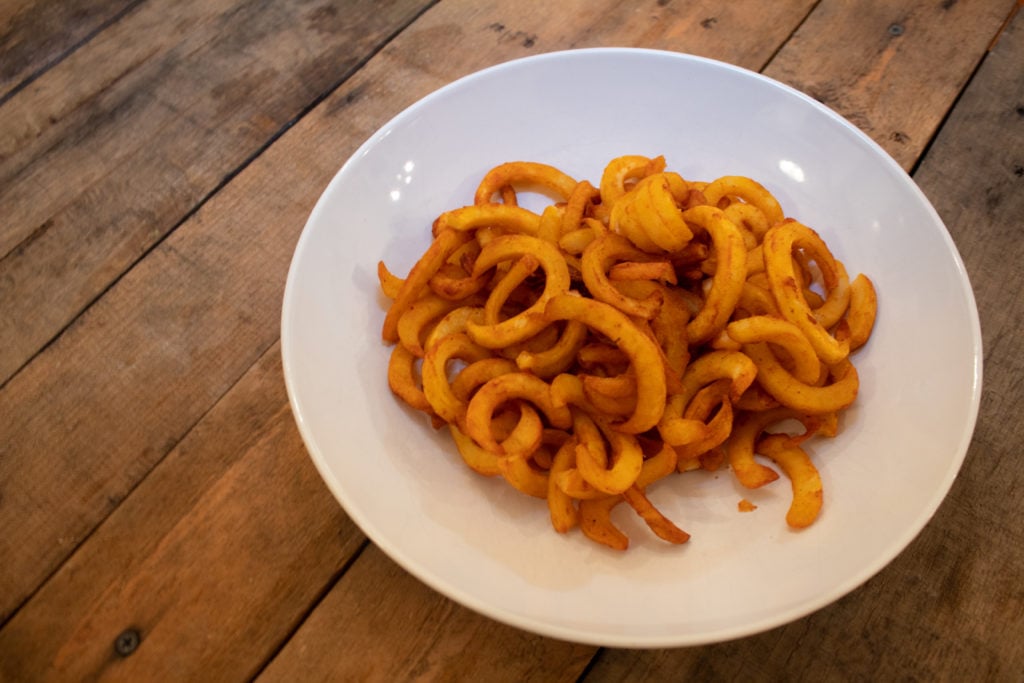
[(213, 559), (428, 637), (743, 33), (954, 600), (106, 152), (34, 35), (866, 60), (86, 421)]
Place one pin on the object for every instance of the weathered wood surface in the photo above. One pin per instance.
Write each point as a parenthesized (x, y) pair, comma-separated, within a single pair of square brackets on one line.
[(892, 69), (114, 393), (150, 474), (109, 150), (35, 35)]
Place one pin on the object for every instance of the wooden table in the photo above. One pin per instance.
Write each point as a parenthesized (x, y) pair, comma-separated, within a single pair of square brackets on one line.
[(159, 516)]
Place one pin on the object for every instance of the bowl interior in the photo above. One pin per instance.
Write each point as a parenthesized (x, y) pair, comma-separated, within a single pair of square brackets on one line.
[(493, 549)]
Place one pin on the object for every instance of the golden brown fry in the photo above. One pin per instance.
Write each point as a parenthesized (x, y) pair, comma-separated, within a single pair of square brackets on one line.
[(390, 283), (557, 358), (806, 398), (597, 258), (734, 366), (561, 507), (497, 335), (745, 434), (443, 246), (414, 324), (649, 217), (454, 322), (763, 328), (581, 198), (658, 523), (524, 173), (643, 270), (860, 317), (643, 352), (477, 373), (513, 219), (622, 169), (611, 469), (436, 387), (749, 191), (596, 522), (730, 272), (703, 406), (480, 460), (498, 391), (803, 477), (778, 245), (403, 381)]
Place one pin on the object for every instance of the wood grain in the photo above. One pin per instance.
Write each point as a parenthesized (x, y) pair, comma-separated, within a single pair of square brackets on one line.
[(214, 558), (109, 150), (492, 31), (35, 35), (892, 69), (101, 406), (428, 637), (954, 600), (150, 474)]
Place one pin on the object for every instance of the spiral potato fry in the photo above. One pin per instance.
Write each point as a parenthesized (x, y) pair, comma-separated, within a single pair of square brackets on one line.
[(647, 326)]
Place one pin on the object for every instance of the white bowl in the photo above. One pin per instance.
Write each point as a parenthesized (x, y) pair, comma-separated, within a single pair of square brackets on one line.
[(492, 549)]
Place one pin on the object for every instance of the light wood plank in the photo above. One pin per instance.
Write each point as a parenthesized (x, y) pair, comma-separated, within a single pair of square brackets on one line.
[(953, 602), (109, 150), (214, 558), (406, 632), (892, 69)]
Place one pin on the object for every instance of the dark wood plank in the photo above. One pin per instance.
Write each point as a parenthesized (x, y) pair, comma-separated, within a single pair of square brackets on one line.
[(213, 559), (428, 637), (868, 61), (109, 150), (953, 602), (34, 35)]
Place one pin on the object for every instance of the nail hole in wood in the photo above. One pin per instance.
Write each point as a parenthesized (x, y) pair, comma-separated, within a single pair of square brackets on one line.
[(127, 642)]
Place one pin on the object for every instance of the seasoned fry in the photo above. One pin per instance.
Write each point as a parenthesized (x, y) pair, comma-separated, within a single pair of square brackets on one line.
[(803, 476), (642, 328)]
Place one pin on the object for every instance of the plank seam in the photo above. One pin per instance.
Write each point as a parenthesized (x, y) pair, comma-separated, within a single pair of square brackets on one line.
[(99, 524), (784, 43), (595, 659), (967, 84), (313, 604)]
